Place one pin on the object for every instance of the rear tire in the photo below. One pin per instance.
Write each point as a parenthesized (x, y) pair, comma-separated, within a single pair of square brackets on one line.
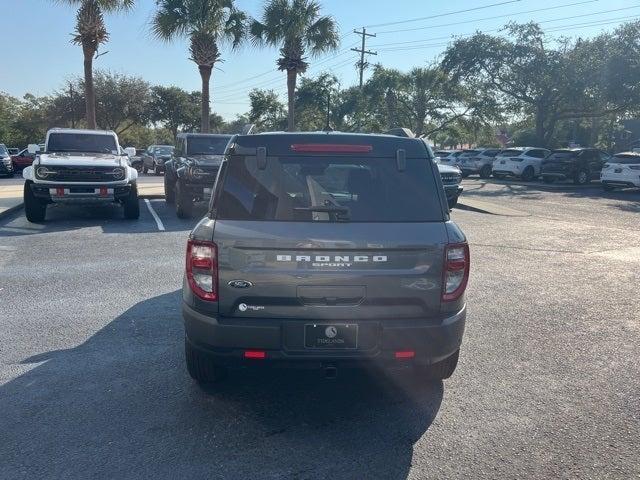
[(443, 369), (131, 204), (200, 367), (528, 174), (157, 170), (485, 171), (169, 191), (184, 201), (34, 208), (452, 202), (144, 168), (581, 178)]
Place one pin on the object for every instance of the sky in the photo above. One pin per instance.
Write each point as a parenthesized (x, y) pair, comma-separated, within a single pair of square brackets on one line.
[(37, 56)]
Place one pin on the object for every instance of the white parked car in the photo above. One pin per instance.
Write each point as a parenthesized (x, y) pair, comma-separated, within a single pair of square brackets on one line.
[(478, 160), (522, 162), (622, 170), (79, 166), (448, 157)]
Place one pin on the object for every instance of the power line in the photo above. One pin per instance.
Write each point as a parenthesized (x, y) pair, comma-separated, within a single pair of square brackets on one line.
[(407, 43), (490, 18), (554, 29), (443, 14), (363, 51)]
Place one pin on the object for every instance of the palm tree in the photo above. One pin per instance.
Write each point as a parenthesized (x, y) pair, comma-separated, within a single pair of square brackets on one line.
[(295, 26), (207, 24), (90, 33)]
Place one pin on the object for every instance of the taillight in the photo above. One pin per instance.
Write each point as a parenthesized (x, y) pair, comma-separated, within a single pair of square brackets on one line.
[(202, 269), (456, 271), (330, 148)]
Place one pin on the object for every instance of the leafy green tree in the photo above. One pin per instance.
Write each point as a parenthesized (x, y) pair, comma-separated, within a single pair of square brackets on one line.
[(576, 79), (208, 24), (297, 27), (267, 111), (123, 101), (90, 33), (174, 108), (316, 99)]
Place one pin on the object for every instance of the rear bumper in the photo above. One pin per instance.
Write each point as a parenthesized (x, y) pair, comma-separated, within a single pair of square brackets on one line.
[(620, 180), (282, 340)]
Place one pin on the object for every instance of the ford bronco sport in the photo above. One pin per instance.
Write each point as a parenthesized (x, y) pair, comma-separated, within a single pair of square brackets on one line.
[(325, 250), (79, 166)]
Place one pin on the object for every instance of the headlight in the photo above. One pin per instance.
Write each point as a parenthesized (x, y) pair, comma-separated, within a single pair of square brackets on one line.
[(118, 173), (44, 173), (196, 172)]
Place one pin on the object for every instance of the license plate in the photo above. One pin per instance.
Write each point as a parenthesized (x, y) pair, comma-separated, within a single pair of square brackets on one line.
[(617, 170), (334, 336)]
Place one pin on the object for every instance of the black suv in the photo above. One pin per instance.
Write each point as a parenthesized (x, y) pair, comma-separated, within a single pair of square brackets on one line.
[(578, 164), (325, 250), (191, 172)]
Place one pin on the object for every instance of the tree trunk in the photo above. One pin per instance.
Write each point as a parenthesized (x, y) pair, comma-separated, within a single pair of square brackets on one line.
[(540, 130), (291, 96), (205, 74), (89, 91)]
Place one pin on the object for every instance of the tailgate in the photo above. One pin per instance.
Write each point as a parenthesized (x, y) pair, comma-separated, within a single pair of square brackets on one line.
[(298, 270)]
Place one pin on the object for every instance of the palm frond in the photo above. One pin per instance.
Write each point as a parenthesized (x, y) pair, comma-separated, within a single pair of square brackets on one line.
[(322, 36)]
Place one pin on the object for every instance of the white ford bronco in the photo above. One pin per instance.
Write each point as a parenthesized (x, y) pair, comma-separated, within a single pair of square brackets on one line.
[(81, 167)]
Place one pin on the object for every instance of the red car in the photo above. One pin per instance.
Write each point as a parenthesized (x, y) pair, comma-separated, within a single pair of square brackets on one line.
[(22, 159)]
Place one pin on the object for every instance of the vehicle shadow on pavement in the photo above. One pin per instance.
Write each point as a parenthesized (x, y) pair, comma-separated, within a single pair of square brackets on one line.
[(121, 405), (107, 217)]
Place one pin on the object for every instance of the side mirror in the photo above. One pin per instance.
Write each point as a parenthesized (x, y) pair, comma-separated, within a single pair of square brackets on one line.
[(33, 148)]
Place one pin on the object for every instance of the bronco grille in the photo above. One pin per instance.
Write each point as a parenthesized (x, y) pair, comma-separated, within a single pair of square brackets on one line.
[(85, 174), (450, 178)]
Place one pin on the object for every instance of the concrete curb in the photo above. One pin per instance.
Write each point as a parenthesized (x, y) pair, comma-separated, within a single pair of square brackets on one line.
[(15, 208)]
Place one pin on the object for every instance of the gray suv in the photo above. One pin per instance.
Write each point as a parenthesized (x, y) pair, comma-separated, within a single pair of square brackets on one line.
[(325, 251)]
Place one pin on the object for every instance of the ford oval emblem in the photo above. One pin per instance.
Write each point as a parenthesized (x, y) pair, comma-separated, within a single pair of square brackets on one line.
[(240, 284)]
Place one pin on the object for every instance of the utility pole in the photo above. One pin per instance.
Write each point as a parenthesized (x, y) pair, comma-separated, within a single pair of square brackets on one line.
[(363, 51)]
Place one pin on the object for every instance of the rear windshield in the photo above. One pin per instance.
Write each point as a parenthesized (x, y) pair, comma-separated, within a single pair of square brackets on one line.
[(82, 142), (322, 189), (206, 145), (626, 159), (510, 153)]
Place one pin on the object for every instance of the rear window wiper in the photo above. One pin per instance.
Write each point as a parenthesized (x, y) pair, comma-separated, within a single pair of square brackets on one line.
[(336, 213)]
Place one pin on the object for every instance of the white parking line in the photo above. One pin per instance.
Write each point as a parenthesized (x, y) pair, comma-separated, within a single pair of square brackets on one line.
[(155, 215)]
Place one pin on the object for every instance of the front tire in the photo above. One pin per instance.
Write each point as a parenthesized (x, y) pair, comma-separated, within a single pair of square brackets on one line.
[(169, 190), (184, 201), (452, 202), (200, 367), (34, 208), (485, 171), (157, 171), (131, 204), (528, 174), (443, 369)]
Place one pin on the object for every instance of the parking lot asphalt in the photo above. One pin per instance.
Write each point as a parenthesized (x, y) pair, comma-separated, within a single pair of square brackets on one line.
[(93, 383)]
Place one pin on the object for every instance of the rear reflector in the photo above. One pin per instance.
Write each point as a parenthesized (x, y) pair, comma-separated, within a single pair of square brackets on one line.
[(60, 192), (103, 191), (406, 354), (330, 148), (255, 354)]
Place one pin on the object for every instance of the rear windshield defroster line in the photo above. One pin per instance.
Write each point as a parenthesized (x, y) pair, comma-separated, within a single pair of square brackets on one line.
[(327, 189)]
